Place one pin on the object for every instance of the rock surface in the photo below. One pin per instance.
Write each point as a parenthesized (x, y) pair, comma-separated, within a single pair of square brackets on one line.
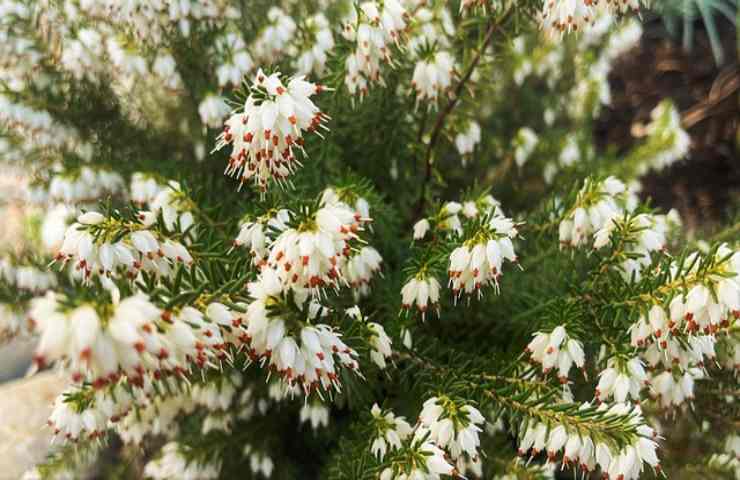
[(15, 358), (25, 404)]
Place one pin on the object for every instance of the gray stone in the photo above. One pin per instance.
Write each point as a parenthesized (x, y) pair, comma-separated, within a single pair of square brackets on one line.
[(25, 405), (15, 358)]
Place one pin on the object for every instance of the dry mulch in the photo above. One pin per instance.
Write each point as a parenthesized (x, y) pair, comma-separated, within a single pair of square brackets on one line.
[(702, 186)]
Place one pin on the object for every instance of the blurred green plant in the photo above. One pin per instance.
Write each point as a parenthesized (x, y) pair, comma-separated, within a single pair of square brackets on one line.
[(680, 17)]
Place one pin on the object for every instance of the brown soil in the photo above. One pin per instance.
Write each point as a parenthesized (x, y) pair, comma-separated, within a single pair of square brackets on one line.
[(705, 184)]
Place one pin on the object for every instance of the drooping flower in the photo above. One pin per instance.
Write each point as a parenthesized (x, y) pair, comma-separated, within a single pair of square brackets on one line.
[(556, 350), (360, 268), (435, 464), (597, 205), (433, 77), (466, 140), (579, 448), (622, 380), (236, 60), (254, 234), (567, 15), (212, 110), (524, 144), (135, 250), (313, 256), (172, 463), (100, 342), (316, 414), (377, 28), (451, 426), (390, 431), (478, 262), (422, 291), (380, 343), (421, 228), (275, 38), (314, 56)]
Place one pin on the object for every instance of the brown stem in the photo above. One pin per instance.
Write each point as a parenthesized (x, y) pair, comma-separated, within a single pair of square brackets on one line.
[(439, 124)]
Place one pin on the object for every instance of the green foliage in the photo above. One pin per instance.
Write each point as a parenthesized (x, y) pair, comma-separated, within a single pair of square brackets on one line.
[(401, 158)]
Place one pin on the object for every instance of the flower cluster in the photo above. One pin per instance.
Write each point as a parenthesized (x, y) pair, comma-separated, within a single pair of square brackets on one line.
[(622, 379), (316, 414), (556, 350), (570, 155), (478, 263), (667, 142), (231, 46), (131, 337), (592, 89), (26, 277), (448, 218), (95, 250), (376, 28), (40, 129), (253, 234), (170, 203), (156, 414), (430, 26), (82, 55), (433, 76), (642, 235), (562, 15), (105, 408), (299, 349), (389, 431), (151, 20), (144, 188), (212, 110), (316, 253), (313, 58), (165, 67), (274, 39), (159, 321), (85, 185), (380, 344), (699, 310), (360, 268), (422, 291), (452, 427), (434, 464), (475, 264), (597, 205), (445, 438), (671, 389), (81, 412), (579, 448), (312, 256), (172, 463), (676, 340), (259, 462), (265, 133), (95, 352), (576, 15), (345, 197)]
